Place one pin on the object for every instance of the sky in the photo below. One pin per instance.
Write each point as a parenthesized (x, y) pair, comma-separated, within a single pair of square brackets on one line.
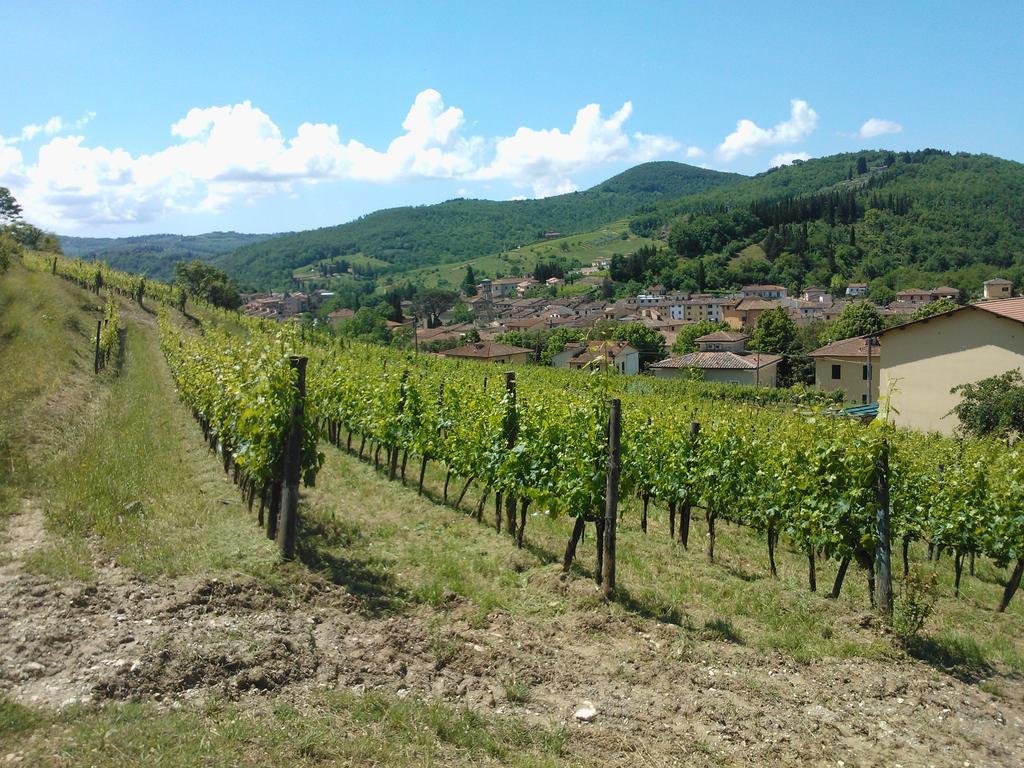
[(130, 118)]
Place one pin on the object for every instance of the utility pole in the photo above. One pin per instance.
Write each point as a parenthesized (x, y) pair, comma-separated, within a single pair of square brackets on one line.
[(871, 343)]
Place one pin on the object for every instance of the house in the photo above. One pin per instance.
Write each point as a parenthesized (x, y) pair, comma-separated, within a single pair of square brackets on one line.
[(505, 286), (763, 291), (914, 296), (617, 355), (998, 288), (945, 292), (924, 359), (490, 351), (745, 313), (816, 293), (857, 290), (704, 307), (724, 367), (335, 317), (722, 341), (843, 365)]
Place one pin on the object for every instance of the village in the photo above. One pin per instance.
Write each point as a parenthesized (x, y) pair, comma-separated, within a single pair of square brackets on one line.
[(910, 366)]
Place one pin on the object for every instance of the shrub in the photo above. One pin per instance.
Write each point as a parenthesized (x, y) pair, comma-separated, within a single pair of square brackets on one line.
[(915, 605)]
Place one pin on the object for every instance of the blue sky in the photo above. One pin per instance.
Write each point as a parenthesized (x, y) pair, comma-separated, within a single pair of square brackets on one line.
[(131, 118)]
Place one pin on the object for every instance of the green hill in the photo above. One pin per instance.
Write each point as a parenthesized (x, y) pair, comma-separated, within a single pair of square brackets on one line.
[(895, 220), (155, 255), (456, 230)]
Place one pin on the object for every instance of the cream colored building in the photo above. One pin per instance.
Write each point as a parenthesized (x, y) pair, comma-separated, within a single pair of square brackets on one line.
[(843, 365), (998, 288), (923, 360)]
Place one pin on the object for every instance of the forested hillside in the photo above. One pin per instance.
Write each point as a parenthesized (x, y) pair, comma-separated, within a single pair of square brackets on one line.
[(890, 219), (155, 255), (407, 238)]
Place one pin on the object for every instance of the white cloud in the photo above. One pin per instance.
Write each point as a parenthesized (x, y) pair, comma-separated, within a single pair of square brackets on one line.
[(225, 154), (695, 152), (750, 137), (51, 127), (876, 126), (786, 158), (544, 159)]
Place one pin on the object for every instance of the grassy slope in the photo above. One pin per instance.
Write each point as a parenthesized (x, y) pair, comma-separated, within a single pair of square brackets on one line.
[(46, 327), (388, 530), (584, 248), (138, 444)]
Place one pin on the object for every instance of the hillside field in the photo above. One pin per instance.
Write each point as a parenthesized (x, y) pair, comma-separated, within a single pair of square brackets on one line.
[(146, 619)]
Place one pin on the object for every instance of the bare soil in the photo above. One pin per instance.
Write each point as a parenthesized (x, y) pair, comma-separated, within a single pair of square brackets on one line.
[(662, 696)]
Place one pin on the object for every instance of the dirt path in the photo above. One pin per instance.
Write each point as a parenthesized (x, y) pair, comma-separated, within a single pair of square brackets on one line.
[(653, 689)]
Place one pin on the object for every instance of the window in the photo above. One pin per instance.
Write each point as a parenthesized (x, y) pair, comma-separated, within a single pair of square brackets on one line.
[(837, 372), (864, 372), (864, 399)]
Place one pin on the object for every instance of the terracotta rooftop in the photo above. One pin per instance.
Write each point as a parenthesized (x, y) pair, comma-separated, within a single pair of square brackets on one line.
[(855, 347), (1011, 308), (723, 336), (485, 350), (717, 361)]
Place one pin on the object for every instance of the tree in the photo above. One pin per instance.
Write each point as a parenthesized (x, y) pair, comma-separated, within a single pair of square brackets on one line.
[(208, 283), (469, 281), (462, 314), (9, 248), (686, 338), (647, 341), (431, 302), (992, 406), (10, 210), (777, 334), (934, 308), (366, 325), (862, 166), (857, 319), (557, 340)]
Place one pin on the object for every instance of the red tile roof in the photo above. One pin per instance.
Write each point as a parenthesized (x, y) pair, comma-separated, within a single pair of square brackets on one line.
[(855, 347), (1011, 308), (716, 361), (485, 350), (723, 336)]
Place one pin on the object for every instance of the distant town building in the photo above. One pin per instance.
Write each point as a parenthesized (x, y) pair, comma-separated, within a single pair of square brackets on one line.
[(616, 355), (490, 351), (998, 288), (857, 290), (764, 291)]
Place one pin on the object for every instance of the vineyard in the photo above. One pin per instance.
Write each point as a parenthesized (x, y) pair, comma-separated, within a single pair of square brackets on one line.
[(711, 499), (538, 438)]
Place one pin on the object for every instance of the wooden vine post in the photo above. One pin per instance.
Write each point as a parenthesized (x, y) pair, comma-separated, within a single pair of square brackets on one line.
[(293, 464), (393, 453), (883, 550), (684, 516), (96, 357), (511, 435), (611, 499)]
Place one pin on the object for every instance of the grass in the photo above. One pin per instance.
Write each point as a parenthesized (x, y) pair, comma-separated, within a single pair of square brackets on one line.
[(327, 728), (144, 485), (584, 248), (46, 331), (425, 553), (115, 461)]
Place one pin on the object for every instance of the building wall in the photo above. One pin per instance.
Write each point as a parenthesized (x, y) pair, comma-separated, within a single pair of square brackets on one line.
[(922, 362), (998, 291), (851, 377)]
